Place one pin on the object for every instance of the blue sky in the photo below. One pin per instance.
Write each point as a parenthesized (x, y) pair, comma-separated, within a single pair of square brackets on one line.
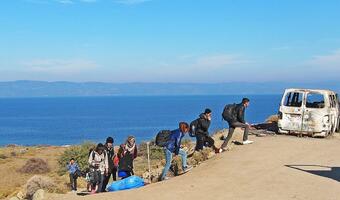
[(170, 40)]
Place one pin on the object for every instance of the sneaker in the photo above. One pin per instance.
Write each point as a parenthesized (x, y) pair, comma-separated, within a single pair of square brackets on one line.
[(219, 150), (247, 142), (187, 168)]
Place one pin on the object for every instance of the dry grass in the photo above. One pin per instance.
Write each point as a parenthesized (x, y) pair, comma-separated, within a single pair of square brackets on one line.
[(12, 181)]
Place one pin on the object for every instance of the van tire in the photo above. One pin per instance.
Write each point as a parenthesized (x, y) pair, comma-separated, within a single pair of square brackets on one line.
[(338, 125)]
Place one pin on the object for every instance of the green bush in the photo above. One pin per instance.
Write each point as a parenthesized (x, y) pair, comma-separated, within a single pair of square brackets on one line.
[(79, 153), (156, 152)]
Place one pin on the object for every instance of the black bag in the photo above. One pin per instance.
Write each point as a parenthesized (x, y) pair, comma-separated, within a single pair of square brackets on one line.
[(163, 137), (228, 112), (193, 127)]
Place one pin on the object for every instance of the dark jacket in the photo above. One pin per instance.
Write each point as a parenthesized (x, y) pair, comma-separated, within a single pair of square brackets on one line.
[(239, 113), (203, 125), (126, 158), (110, 155), (174, 143)]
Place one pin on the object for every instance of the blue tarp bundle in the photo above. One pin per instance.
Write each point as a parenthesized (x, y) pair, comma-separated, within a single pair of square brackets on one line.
[(125, 184)]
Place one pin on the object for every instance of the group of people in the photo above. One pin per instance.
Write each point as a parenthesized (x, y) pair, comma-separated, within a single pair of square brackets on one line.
[(234, 114), (104, 162)]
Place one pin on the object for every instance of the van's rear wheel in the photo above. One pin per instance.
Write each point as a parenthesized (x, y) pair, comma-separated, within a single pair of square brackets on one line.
[(338, 125)]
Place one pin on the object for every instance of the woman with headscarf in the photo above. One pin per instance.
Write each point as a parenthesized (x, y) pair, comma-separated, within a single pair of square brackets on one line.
[(126, 154)]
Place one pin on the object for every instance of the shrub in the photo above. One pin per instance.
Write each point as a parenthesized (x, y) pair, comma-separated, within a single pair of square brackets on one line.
[(39, 182), (35, 166), (156, 152), (79, 153), (3, 157)]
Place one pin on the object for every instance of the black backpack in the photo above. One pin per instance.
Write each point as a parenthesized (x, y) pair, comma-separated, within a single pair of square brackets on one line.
[(163, 137), (193, 127), (228, 112)]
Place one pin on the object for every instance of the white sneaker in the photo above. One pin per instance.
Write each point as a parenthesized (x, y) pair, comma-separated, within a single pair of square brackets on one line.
[(247, 142), (187, 168)]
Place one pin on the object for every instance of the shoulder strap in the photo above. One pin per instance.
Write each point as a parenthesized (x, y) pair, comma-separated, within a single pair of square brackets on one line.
[(93, 155)]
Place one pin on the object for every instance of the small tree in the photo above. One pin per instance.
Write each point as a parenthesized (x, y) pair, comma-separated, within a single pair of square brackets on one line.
[(79, 153)]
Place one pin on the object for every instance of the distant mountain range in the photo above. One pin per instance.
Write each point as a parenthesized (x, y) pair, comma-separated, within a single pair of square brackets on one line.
[(62, 89)]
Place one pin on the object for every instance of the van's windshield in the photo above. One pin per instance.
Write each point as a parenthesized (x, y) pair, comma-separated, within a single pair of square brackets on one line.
[(315, 100), (293, 99)]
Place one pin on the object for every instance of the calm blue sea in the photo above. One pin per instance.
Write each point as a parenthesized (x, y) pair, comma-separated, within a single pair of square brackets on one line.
[(72, 120)]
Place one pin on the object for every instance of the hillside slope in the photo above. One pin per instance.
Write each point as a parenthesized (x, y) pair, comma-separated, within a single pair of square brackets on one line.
[(267, 169)]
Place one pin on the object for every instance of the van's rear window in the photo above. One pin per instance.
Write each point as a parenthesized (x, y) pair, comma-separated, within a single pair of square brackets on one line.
[(293, 99), (315, 100)]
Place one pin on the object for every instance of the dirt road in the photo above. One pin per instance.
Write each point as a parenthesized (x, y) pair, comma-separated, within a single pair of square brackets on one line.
[(274, 167)]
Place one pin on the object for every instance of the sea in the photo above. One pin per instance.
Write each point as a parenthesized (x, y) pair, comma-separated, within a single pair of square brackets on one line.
[(74, 120)]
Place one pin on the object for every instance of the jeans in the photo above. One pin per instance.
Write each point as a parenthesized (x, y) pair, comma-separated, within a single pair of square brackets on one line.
[(100, 185), (73, 182), (168, 158), (232, 127), (107, 178)]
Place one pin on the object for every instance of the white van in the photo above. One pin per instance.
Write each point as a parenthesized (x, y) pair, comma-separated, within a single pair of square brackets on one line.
[(311, 112)]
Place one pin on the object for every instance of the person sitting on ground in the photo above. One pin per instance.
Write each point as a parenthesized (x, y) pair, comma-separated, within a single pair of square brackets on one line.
[(235, 120), (202, 133), (126, 154), (72, 168), (98, 161), (174, 146), (110, 157)]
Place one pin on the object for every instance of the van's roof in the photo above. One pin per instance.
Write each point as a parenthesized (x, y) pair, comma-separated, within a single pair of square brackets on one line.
[(310, 90)]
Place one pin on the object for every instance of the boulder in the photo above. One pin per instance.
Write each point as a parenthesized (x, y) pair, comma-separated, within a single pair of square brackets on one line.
[(39, 195)]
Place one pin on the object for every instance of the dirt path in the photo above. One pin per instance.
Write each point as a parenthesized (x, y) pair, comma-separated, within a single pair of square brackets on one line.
[(266, 169)]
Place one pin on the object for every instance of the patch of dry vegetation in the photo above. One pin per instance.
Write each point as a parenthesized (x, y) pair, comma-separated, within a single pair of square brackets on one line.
[(35, 166)]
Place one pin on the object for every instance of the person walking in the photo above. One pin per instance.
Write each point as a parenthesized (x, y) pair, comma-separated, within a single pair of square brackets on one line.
[(202, 132), (110, 157), (173, 146), (234, 115), (98, 161), (72, 168)]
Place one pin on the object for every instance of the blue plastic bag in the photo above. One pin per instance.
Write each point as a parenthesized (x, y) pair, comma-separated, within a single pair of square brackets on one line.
[(125, 184)]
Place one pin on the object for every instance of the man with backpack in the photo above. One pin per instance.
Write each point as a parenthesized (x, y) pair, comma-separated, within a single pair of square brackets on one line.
[(234, 115), (99, 167), (173, 145), (110, 157), (199, 129)]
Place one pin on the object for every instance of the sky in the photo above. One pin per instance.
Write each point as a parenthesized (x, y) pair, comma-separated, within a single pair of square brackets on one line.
[(195, 41)]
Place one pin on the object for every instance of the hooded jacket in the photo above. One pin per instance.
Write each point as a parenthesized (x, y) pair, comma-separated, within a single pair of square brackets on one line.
[(203, 125), (174, 143), (99, 161), (239, 113)]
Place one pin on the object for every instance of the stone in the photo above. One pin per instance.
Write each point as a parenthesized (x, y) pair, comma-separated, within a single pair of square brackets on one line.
[(21, 195), (39, 195)]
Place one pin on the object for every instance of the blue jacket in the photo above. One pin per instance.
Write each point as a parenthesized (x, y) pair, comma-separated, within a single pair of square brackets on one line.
[(72, 168), (174, 143)]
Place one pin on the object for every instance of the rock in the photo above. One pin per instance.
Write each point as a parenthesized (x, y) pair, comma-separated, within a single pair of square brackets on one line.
[(39, 195), (21, 195)]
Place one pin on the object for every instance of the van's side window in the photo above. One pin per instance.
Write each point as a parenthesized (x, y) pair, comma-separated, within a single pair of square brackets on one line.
[(315, 100), (293, 99)]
